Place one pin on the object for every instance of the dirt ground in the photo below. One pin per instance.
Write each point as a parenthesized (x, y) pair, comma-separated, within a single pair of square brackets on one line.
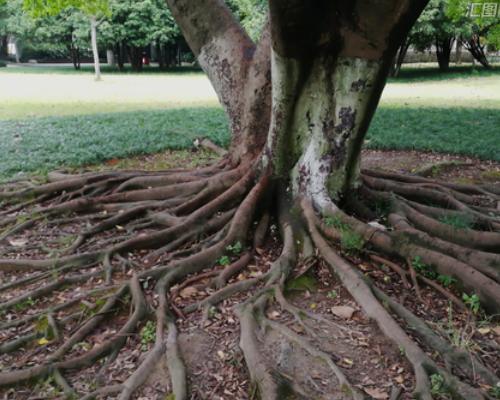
[(209, 339)]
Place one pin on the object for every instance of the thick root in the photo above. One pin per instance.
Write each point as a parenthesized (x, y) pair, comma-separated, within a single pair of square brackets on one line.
[(102, 251)]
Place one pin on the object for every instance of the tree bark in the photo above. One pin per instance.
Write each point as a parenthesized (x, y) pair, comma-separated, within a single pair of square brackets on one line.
[(237, 67), (458, 52), (328, 72), (474, 46), (3, 46), (135, 54), (327, 81), (400, 57), (110, 57), (443, 52), (95, 50)]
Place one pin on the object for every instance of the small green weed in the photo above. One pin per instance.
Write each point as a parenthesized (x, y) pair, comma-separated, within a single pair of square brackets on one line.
[(458, 221), (212, 312), (43, 327), (89, 309), (235, 249), (495, 391), (334, 222), (302, 283), (332, 294), (461, 336), (25, 304), (472, 302), (351, 241), (423, 268), (437, 384), (224, 260), (148, 335), (446, 280)]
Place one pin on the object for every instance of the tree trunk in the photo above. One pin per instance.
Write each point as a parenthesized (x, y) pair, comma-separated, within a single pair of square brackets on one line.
[(120, 55), (17, 50), (135, 54), (110, 57), (399, 59), (443, 52), (3, 46), (458, 52), (326, 86), (474, 46), (95, 50)]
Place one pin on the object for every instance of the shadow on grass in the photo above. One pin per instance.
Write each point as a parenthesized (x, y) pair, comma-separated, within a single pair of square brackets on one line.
[(43, 144)]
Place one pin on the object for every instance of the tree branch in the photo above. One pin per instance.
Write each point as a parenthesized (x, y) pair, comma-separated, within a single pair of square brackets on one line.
[(222, 47)]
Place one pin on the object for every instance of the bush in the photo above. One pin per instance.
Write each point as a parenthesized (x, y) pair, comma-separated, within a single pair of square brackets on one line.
[(3, 64)]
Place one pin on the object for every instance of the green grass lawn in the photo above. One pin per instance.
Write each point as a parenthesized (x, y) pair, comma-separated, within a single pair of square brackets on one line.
[(50, 119)]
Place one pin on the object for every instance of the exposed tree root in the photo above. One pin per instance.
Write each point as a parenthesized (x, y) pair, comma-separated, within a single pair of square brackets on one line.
[(118, 235)]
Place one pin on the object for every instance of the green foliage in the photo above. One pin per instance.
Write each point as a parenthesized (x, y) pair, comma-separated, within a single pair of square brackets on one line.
[(332, 294), (224, 260), (433, 24), (301, 284), (334, 221), (54, 141), (89, 311), (251, 14), (212, 312), (495, 391), (235, 249), (43, 328), (446, 280), (39, 8), (351, 241), (423, 269), (25, 304), (438, 385), (458, 221), (139, 23), (148, 334), (469, 15), (472, 301)]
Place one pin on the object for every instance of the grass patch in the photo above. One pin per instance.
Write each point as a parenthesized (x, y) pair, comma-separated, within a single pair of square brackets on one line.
[(466, 131), (42, 144), (410, 73), (89, 70), (55, 116), (458, 221), (46, 143)]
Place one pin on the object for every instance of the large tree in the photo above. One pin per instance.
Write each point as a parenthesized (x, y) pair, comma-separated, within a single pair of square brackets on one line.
[(299, 103)]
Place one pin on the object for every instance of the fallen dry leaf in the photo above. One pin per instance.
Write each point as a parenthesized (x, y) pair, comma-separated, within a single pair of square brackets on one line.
[(377, 393), (189, 291), (343, 311)]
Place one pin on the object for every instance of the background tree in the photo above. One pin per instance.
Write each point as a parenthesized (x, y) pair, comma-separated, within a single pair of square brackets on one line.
[(479, 26), (299, 103), (132, 26), (93, 9), (435, 27), (15, 26)]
